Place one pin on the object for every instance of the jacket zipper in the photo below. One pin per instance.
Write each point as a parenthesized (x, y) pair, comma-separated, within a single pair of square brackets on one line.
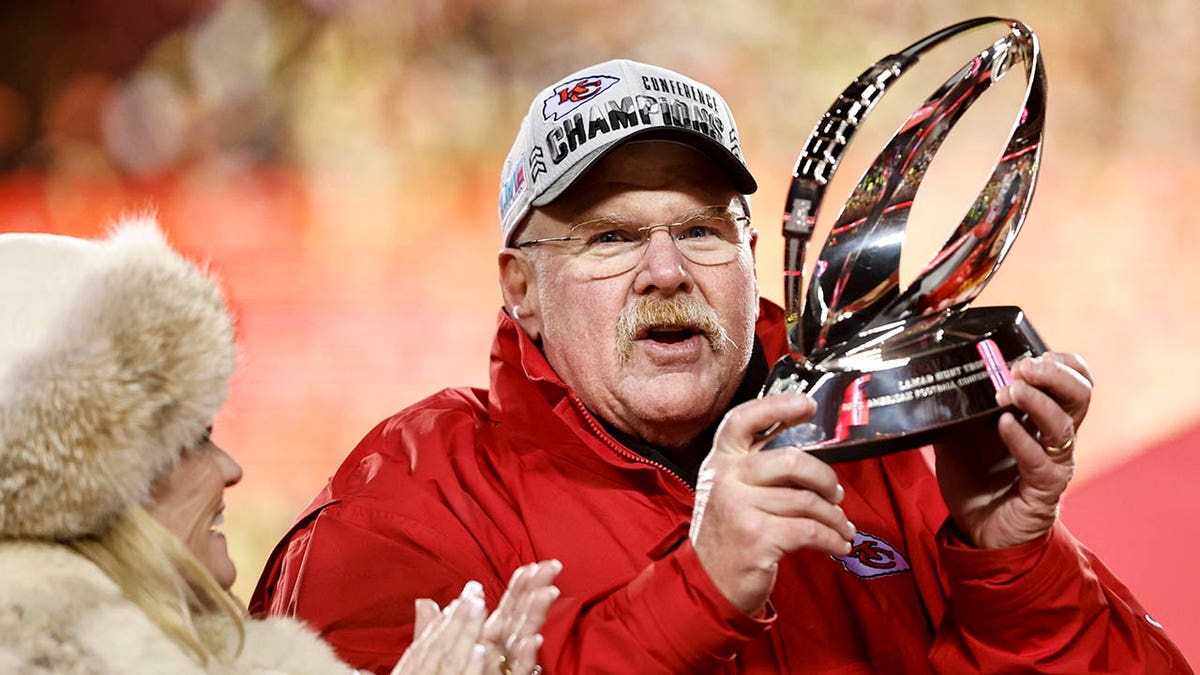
[(617, 448)]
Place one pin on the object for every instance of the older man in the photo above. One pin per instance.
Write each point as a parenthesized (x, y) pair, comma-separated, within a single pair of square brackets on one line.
[(632, 328)]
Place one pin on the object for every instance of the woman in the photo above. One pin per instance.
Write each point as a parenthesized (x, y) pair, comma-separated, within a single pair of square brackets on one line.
[(115, 356)]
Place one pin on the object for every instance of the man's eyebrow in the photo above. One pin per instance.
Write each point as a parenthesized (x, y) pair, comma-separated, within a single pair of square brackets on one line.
[(611, 219), (607, 219)]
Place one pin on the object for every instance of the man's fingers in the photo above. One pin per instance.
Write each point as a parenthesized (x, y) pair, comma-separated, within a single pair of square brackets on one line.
[(1024, 445), (792, 467), (792, 503), (792, 534), (742, 426), (1074, 362), (1058, 377), (1044, 476), (1054, 426)]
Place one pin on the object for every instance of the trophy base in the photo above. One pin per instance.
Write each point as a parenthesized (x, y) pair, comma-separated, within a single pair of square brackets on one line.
[(905, 384)]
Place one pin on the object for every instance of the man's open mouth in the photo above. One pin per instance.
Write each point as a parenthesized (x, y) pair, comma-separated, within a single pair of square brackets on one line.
[(668, 334)]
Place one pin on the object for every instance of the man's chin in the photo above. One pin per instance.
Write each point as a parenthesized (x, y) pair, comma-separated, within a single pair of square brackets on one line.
[(673, 397)]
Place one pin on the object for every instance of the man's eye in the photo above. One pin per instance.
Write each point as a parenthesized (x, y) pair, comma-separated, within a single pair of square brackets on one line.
[(697, 231), (706, 226), (611, 236)]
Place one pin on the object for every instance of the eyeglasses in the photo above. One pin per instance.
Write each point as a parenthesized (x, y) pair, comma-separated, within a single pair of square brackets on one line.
[(611, 245)]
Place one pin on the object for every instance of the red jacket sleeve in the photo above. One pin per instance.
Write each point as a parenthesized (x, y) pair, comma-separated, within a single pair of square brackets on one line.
[(353, 576), (671, 618), (356, 586), (1048, 606)]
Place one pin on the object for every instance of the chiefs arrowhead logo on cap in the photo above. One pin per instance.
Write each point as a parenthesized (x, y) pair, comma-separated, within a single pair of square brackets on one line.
[(573, 93)]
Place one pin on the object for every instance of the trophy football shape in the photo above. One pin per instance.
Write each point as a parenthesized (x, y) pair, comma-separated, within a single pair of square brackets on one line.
[(893, 368)]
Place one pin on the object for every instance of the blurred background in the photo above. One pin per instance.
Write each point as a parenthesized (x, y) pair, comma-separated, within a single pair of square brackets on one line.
[(338, 163)]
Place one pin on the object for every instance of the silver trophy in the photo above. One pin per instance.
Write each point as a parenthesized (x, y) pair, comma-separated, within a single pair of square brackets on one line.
[(892, 369)]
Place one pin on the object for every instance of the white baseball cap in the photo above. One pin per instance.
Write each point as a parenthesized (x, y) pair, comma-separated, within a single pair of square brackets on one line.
[(581, 118)]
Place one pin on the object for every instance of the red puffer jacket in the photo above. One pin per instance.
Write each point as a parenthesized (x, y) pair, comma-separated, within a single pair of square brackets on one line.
[(470, 484)]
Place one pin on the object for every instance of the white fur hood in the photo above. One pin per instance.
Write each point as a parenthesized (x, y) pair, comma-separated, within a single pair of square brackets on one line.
[(114, 357)]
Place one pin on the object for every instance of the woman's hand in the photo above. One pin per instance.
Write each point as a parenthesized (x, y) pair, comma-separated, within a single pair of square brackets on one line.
[(462, 639), (513, 632)]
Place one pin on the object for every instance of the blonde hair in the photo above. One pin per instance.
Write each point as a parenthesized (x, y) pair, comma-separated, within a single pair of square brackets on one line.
[(158, 574)]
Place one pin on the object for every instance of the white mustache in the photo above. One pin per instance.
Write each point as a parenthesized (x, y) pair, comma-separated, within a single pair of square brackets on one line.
[(679, 310)]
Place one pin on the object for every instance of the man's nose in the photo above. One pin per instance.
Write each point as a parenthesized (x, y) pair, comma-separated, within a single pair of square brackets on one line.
[(663, 266)]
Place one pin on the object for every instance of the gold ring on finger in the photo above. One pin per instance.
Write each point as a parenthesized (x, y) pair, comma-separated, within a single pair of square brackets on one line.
[(1056, 450)]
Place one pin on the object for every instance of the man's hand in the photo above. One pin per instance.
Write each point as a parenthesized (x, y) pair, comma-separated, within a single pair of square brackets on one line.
[(1002, 483), (752, 507)]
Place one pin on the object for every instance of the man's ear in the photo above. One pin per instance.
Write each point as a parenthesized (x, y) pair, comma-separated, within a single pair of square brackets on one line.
[(518, 286), (754, 258)]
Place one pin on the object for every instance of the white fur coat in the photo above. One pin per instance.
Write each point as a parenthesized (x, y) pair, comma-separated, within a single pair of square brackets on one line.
[(61, 614)]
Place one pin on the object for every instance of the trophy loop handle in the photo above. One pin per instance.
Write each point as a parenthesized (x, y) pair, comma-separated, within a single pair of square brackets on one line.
[(855, 286), (974, 251)]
